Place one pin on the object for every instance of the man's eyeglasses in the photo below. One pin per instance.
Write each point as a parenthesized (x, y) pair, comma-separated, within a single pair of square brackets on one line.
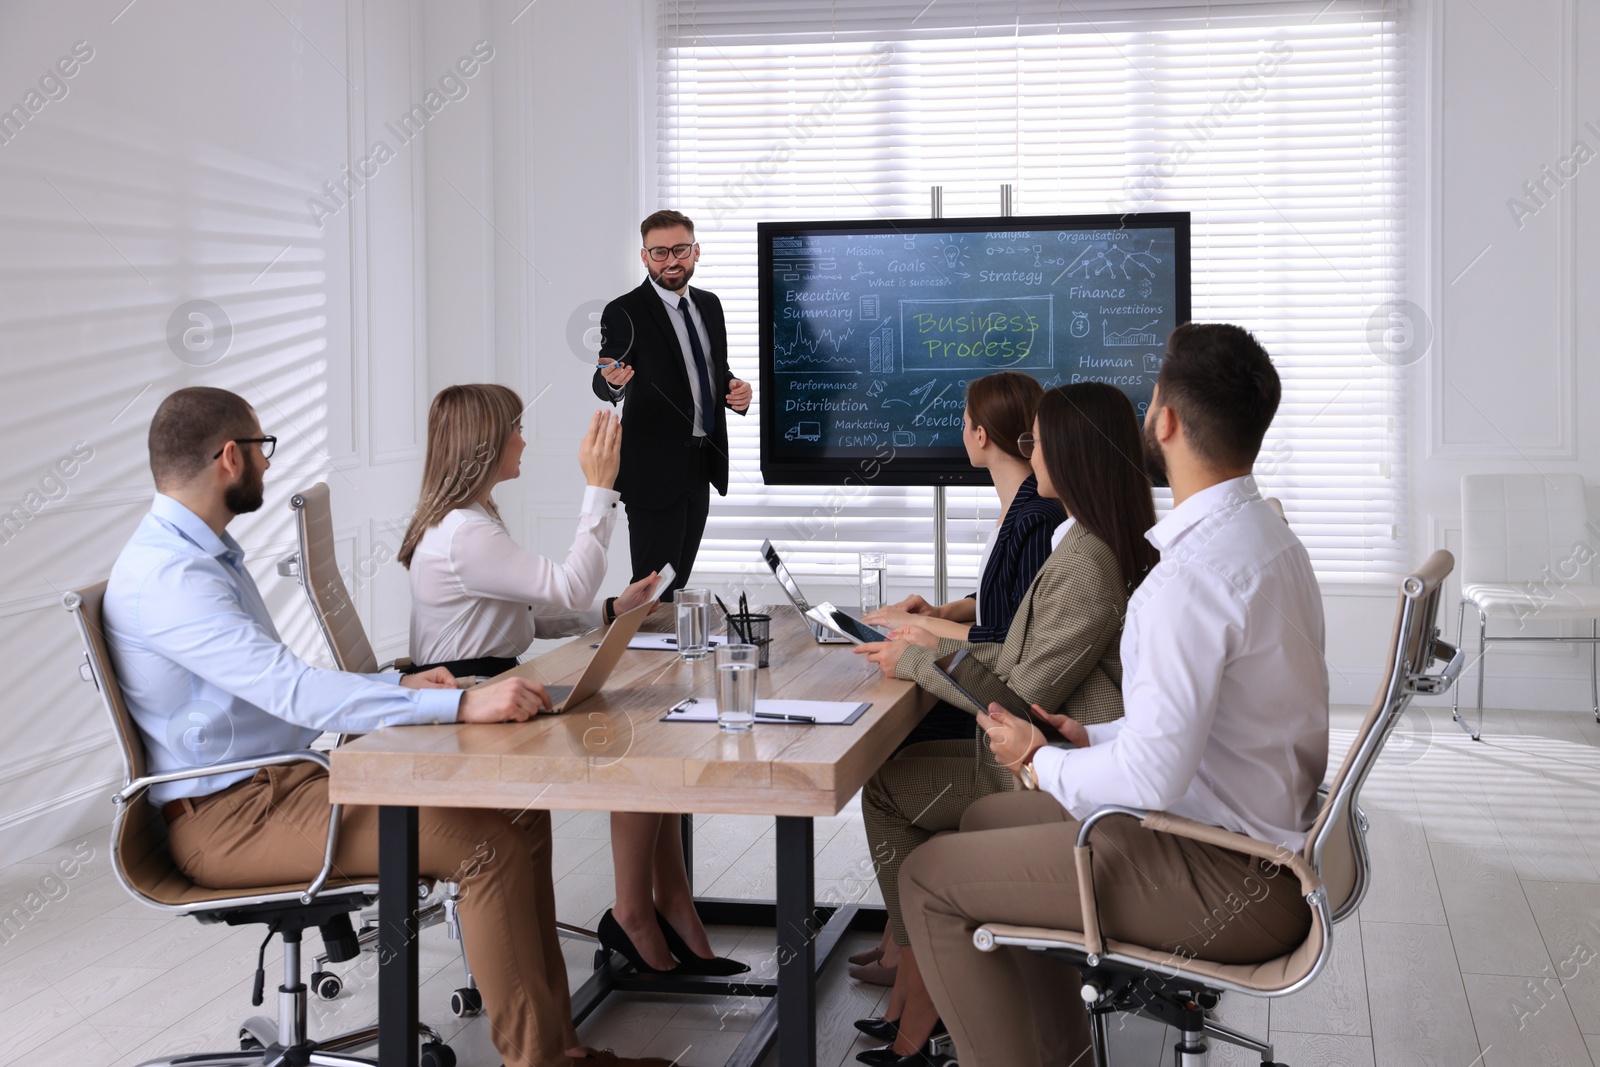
[(268, 445), (1026, 443), (660, 252)]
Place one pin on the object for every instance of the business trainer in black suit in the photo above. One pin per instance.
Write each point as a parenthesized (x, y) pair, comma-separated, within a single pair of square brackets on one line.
[(664, 357)]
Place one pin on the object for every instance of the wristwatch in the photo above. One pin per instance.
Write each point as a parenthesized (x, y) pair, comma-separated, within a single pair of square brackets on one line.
[(608, 611), (1029, 779)]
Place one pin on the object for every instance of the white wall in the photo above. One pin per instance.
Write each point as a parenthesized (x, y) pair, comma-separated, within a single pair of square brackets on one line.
[(179, 165)]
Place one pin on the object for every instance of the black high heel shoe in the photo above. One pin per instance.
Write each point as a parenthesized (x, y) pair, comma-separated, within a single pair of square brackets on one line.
[(690, 963), (925, 1056), (615, 938), (879, 1029)]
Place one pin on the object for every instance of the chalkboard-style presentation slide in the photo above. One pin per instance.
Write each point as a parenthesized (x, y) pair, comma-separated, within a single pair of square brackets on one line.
[(870, 331)]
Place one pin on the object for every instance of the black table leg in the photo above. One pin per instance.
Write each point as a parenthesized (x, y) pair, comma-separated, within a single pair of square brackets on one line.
[(797, 928), (397, 940), (686, 823)]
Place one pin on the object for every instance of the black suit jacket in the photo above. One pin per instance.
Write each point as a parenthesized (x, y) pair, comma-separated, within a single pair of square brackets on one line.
[(658, 466)]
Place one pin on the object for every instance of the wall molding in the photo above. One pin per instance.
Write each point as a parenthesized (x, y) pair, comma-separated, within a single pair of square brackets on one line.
[(1565, 446), (417, 84), (60, 818), (21, 767)]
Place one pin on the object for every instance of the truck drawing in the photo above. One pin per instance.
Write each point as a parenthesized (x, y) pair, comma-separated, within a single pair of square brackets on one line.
[(804, 431)]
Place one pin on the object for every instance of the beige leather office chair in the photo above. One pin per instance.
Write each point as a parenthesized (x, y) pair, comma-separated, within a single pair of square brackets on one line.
[(315, 566), (144, 867), (1331, 868)]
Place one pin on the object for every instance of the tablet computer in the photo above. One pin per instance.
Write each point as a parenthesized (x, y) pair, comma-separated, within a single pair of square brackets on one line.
[(848, 626), (1045, 727)]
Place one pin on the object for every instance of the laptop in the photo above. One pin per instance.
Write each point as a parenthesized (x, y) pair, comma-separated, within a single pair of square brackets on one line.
[(601, 664), (820, 633)]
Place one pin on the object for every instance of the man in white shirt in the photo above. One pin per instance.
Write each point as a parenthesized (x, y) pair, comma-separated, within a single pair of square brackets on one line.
[(1226, 697), (208, 680)]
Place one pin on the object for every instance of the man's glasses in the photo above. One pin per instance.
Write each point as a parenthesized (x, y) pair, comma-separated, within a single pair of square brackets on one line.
[(660, 252), (268, 445), (1026, 443)]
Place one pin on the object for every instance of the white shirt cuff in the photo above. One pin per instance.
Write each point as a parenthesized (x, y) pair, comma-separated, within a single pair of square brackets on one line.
[(596, 500), (1049, 768), (1101, 733)]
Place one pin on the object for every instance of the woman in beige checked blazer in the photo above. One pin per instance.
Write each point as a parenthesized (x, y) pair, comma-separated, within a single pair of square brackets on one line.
[(1060, 654)]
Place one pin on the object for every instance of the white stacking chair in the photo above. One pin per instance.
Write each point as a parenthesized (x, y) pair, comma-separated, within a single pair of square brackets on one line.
[(1526, 555)]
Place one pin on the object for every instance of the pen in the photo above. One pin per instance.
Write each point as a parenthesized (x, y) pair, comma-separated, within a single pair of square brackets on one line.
[(728, 615), (785, 718)]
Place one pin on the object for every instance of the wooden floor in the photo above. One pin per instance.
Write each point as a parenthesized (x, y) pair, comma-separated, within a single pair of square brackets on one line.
[(1478, 944)]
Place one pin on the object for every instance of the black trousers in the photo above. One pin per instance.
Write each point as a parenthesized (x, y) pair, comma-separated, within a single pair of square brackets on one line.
[(658, 536)]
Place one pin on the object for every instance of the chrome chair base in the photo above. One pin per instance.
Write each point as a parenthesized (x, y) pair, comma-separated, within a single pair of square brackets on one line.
[(1109, 991)]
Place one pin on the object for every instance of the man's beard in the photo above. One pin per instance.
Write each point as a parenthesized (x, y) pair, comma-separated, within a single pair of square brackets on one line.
[(248, 493), (1155, 461), (682, 282)]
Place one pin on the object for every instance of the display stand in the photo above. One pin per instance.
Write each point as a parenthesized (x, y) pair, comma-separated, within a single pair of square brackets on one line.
[(941, 533)]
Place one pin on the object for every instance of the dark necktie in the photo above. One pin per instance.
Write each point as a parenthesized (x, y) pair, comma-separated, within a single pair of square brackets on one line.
[(707, 412)]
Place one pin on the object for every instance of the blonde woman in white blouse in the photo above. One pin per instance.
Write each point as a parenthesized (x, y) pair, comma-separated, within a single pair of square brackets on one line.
[(478, 599)]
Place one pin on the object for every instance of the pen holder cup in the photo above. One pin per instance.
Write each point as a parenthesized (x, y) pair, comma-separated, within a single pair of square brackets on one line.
[(751, 629)]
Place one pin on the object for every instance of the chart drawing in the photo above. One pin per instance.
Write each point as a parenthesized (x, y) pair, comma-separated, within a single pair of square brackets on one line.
[(1133, 336), (808, 353)]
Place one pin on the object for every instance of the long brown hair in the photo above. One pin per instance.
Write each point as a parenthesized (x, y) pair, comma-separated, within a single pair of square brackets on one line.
[(1004, 403), (468, 426), (1093, 452)]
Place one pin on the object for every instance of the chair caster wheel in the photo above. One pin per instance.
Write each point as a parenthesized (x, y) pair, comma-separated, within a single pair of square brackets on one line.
[(436, 1055), (465, 1003), (326, 985), (248, 1042)]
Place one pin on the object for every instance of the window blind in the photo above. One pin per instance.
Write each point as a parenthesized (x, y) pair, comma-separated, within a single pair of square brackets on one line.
[(1280, 125)]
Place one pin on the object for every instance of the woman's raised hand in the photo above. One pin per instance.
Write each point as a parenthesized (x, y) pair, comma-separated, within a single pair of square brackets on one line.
[(600, 452)]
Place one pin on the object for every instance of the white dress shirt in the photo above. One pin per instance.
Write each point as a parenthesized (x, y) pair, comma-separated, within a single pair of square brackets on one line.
[(207, 678), (476, 592), (1225, 688), (680, 328)]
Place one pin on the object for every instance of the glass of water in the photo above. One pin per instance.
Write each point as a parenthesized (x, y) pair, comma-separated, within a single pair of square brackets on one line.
[(873, 566), (694, 623), (736, 686)]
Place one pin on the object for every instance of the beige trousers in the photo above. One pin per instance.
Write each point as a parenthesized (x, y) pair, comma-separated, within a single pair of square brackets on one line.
[(922, 792), (271, 829), (1012, 863)]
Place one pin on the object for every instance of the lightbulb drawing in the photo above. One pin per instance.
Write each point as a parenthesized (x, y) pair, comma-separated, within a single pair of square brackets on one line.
[(952, 251)]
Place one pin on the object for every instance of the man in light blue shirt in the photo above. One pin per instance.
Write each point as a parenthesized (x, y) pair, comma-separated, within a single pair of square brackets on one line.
[(208, 680)]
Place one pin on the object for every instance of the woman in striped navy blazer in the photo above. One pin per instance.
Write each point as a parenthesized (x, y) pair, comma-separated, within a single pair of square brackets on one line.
[(1000, 411)]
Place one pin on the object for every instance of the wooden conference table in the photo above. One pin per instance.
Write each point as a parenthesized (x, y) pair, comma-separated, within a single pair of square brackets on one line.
[(612, 753)]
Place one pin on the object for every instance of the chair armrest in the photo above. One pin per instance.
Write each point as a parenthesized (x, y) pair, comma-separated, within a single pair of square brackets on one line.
[(1178, 826), (140, 785), (289, 566), (399, 663)]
